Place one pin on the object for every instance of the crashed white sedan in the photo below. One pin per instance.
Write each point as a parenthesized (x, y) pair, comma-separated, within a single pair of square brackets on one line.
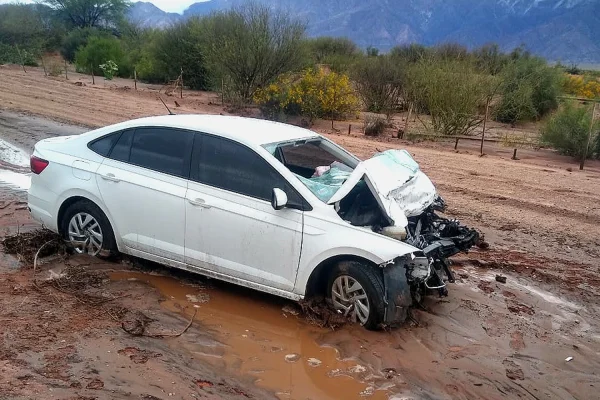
[(261, 204)]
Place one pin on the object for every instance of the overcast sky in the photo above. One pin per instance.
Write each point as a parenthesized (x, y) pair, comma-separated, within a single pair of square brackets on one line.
[(165, 5)]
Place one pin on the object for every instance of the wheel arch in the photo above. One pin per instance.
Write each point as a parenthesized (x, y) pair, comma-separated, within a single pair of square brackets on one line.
[(317, 280), (74, 197)]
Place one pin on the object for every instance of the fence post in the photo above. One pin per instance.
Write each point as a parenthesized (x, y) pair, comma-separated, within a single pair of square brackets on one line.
[(44, 66), (410, 108), (21, 57), (587, 144), (66, 76), (487, 109), (456, 144), (135, 79), (349, 129), (92, 70)]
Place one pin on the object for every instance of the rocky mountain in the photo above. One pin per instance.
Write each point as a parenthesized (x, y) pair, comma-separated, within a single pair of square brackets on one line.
[(146, 14), (560, 30)]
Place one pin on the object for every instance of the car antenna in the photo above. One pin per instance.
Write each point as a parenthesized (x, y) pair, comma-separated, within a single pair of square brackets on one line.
[(167, 107)]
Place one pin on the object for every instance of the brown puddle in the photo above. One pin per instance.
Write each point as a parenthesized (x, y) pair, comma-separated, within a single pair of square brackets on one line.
[(259, 336)]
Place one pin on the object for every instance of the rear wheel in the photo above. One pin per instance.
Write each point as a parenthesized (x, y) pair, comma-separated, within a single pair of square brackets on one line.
[(87, 230), (356, 290)]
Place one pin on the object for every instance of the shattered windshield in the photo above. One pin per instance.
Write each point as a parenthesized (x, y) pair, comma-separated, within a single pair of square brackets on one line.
[(321, 166)]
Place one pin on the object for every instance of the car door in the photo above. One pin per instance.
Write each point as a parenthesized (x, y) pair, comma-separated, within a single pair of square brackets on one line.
[(143, 184), (231, 227)]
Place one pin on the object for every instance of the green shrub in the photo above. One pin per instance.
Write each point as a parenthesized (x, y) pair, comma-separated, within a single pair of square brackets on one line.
[(530, 90), (567, 131), (451, 92), (380, 83), (77, 39), (97, 51)]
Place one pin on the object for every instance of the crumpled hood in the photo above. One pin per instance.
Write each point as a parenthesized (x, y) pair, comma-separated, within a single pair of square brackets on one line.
[(402, 190)]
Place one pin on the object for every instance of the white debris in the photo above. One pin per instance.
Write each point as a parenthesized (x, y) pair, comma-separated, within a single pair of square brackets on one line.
[(292, 357), (314, 362), (357, 369), (568, 359)]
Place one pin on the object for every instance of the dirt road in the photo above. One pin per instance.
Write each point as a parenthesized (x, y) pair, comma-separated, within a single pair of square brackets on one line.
[(486, 340)]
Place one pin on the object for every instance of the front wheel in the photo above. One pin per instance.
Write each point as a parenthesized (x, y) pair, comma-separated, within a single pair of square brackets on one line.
[(87, 230), (356, 290)]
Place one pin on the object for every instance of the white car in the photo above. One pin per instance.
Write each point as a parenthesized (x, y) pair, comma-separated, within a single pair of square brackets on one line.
[(229, 198)]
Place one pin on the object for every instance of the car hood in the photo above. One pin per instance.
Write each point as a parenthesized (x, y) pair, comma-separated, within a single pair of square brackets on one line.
[(401, 189)]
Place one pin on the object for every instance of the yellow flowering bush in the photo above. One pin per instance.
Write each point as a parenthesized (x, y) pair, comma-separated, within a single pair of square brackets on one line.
[(313, 93), (581, 86)]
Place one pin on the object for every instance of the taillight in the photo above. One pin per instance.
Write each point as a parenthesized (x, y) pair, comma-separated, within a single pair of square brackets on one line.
[(37, 164)]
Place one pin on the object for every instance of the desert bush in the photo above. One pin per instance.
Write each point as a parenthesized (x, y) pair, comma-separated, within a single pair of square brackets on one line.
[(451, 51), (337, 53), (582, 86), (568, 129), (451, 92), (109, 69), (489, 59), (380, 83), (411, 53), (250, 45), (530, 90), (314, 93), (374, 125), (97, 51), (55, 68)]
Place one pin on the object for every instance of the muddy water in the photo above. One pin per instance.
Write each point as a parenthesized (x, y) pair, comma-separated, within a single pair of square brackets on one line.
[(259, 333)]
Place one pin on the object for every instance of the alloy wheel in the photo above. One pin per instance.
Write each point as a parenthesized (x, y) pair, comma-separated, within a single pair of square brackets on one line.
[(85, 234), (350, 298)]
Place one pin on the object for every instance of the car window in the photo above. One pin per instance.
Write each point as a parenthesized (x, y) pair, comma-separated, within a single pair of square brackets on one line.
[(121, 149), (162, 149), (309, 156), (229, 165), (104, 145)]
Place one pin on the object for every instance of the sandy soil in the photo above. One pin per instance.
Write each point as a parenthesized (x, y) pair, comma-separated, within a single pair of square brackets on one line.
[(487, 340)]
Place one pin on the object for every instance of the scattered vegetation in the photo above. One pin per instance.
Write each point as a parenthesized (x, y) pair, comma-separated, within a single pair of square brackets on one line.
[(568, 131), (251, 53)]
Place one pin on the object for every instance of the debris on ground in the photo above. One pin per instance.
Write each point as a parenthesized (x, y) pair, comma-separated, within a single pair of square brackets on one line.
[(501, 278), (136, 323), (317, 312), (513, 371), (314, 362), (25, 245), (569, 359), (292, 357)]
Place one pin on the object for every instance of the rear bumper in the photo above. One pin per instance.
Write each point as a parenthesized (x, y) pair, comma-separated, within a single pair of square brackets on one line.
[(41, 202)]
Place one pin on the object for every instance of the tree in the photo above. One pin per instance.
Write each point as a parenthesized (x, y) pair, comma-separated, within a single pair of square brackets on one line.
[(567, 131), (337, 53), (97, 51), (530, 89), (451, 91), (380, 83), (490, 59), (90, 13), (411, 53), (250, 45)]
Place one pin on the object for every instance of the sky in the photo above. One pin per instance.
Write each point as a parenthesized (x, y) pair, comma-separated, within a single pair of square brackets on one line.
[(165, 5)]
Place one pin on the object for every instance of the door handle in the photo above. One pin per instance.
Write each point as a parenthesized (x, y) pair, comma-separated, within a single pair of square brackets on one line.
[(199, 202), (110, 177)]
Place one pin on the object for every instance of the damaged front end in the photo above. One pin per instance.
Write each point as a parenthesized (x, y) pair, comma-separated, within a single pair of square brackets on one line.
[(406, 280)]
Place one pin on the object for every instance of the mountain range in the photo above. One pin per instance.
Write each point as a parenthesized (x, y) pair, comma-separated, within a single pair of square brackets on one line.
[(559, 30)]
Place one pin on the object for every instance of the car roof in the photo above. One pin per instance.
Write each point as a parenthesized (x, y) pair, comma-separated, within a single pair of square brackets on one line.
[(251, 131)]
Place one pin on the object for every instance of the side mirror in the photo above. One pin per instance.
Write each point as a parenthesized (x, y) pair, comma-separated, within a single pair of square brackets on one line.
[(278, 199)]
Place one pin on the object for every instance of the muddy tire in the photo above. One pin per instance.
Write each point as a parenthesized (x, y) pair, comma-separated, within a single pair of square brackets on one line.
[(86, 229), (356, 289)]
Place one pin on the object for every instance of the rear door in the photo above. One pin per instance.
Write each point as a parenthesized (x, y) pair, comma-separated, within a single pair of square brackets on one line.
[(143, 184), (231, 227)]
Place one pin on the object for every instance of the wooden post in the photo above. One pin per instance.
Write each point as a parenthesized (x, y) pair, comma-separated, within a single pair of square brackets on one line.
[(222, 91), (410, 108), (587, 144), (514, 157), (456, 144), (92, 70), (66, 75), (135, 79), (181, 83), (21, 57), (487, 109), (349, 129), (44, 66)]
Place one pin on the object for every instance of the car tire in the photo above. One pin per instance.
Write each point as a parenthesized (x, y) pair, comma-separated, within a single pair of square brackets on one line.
[(86, 224), (343, 277)]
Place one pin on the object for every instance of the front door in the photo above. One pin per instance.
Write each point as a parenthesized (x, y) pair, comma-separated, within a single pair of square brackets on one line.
[(231, 228)]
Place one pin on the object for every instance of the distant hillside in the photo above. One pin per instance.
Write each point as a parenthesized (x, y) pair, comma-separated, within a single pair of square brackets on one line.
[(560, 30)]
